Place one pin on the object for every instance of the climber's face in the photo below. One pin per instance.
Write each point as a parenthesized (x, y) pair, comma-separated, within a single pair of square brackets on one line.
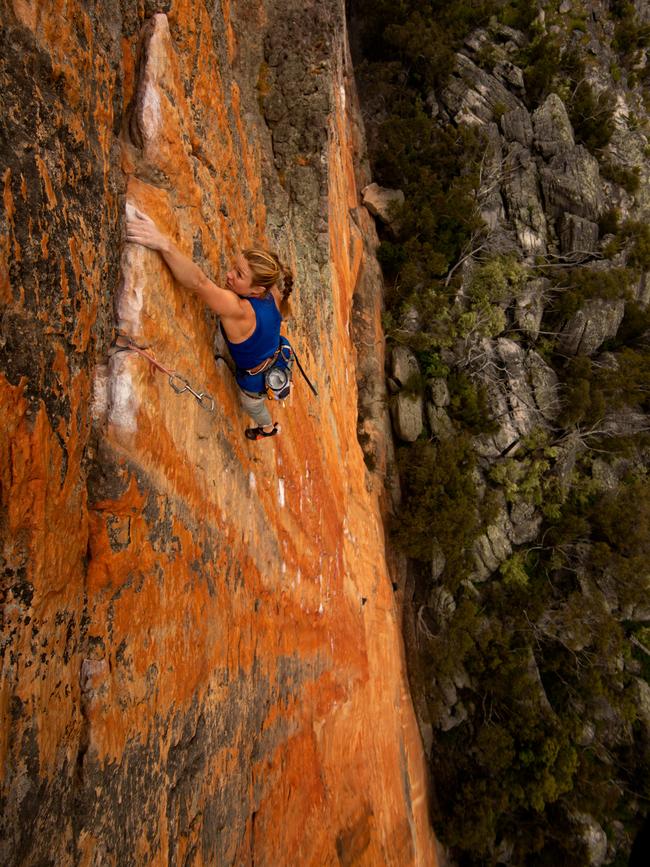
[(239, 279)]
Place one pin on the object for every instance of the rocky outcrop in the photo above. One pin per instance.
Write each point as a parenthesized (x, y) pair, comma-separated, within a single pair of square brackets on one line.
[(473, 95), (522, 391), (202, 658), (381, 202), (553, 133), (407, 404), (598, 320)]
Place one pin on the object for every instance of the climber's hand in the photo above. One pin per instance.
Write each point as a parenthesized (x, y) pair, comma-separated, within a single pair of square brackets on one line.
[(141, 229)]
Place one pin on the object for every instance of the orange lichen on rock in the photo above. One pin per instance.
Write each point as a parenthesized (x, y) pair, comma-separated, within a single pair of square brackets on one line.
[(204, 659)]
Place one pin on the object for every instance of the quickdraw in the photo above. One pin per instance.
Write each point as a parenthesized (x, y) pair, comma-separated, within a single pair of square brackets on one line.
[(178, 383)]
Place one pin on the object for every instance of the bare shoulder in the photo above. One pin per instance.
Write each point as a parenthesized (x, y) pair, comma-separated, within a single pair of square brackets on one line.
[(223, 301)]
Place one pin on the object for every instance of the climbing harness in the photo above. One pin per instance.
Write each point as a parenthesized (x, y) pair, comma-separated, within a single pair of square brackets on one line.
[(278, 372), (177, 382)]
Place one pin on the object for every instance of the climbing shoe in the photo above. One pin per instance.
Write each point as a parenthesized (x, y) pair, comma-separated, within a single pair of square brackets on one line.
[(258, 433)]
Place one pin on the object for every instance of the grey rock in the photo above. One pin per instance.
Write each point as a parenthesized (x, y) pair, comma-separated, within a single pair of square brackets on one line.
[(406, 412), (587, 734), (493, 547), (605, 474), (566, 459), (544, 384), (406, 409), (404, 365), (523, 204), (472, 96), (477, 40), (491, 202), (522, 402), (439, 391), (411, 321), (441, 600), (511, 401), (598, 320), (380, 202), (529, 306), (522, 394), (571, 182), (393, 385), (642, 690), (507, 34), (593, 837), (453, 712), (553, 130), (442, 427), (485, 561), (577, 234), (642, 291), (498, 537), (525, 522), (511, 75), (517, 126), (625, 422)]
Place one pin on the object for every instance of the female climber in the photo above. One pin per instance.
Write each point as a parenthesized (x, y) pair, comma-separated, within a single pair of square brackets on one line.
[(257, 290)]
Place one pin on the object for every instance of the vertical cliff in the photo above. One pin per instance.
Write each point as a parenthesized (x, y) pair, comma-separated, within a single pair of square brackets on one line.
[(201, 651)]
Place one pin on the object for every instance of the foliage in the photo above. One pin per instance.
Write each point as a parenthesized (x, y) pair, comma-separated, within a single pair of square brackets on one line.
[(580, 284), (592, 115), (469, 403), (437, 481), (629, 179), (636, 235), (544, 645)]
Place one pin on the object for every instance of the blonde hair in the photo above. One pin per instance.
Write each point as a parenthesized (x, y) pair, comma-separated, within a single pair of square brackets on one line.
[(267, 271)]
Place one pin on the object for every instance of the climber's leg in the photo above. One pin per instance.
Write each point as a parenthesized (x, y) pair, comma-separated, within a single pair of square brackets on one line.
[(255, 406)]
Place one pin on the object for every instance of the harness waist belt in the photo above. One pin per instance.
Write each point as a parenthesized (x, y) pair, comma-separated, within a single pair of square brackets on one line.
[(263, 365)]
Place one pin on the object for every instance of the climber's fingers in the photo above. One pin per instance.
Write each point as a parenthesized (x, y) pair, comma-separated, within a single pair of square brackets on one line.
[(141, 229)]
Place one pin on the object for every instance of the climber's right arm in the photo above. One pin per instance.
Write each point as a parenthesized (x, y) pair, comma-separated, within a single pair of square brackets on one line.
[(141, 229)]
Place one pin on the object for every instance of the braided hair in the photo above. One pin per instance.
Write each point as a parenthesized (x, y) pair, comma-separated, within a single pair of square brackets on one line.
[(267, 271)]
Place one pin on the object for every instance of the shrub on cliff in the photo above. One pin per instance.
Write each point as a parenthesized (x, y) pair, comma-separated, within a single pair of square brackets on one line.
[(439, 501)]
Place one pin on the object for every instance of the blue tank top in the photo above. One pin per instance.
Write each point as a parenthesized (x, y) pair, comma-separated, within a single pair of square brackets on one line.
[(262, 343)]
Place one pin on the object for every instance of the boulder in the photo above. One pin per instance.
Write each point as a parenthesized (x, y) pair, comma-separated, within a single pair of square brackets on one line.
[(523, 205), (489, 195), (642, 291), (553, 132), (529, 306), (441, 425), (406, 412), (439, 391), (544, 382), (596, 321), (511, 75), (406, 408), (380, 202), (593, 837), (525, 522), (517, 126), (493, 547), (642, 702), (577, 235), (522, 393), (404, 365), (473, 96), (441, 601), (571, 182)]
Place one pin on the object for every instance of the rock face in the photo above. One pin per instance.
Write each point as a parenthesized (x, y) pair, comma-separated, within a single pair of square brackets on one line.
[(380, 200), (202, 659)]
